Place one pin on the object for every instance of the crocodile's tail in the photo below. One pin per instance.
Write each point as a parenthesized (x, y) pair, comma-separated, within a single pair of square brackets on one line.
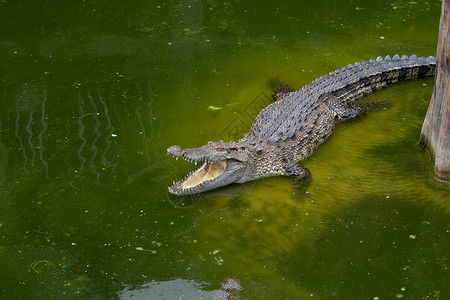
[(354, 81)]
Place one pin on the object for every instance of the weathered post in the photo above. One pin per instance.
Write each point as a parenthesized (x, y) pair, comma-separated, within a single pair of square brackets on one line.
[(436, 128)]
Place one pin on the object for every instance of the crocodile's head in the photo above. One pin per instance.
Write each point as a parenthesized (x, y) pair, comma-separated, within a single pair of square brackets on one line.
[(223, 164)]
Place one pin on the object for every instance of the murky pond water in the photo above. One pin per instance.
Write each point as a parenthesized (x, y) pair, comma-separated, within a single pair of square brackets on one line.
[(92, 94)]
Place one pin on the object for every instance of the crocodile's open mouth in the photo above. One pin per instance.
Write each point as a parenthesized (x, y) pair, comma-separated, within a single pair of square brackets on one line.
[(218, 169), (198, 179)]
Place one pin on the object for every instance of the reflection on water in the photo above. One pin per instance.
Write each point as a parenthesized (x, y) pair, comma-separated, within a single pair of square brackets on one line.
[(29, 100), (174, 289), (109, 133), (84, 130)]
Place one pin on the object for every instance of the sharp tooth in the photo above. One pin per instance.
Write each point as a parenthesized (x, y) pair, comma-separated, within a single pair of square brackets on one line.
[(176, 158), (195, 163)]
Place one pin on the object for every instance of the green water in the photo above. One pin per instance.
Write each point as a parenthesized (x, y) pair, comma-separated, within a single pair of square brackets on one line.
[(92, 94)]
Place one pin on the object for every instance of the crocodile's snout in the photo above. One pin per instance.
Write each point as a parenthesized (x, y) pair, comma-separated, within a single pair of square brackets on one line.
[(175, 150)]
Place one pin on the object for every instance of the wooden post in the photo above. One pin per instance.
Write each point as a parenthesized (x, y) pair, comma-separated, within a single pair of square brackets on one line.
[(436, 128)]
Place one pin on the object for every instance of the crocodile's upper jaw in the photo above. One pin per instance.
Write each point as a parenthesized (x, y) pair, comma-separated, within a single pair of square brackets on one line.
[(217, 170)]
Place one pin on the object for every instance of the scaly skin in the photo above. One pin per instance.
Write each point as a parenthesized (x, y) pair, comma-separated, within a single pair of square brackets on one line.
[(288, 130)]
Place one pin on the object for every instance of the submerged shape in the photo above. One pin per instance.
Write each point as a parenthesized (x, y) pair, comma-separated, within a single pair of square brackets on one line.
[(289, 129), (229, 289)]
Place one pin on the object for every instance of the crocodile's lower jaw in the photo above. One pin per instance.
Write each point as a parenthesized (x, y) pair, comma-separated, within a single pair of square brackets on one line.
[(207, 172)]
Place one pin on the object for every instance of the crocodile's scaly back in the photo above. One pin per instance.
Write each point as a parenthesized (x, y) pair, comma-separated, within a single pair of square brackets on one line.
[(303, 117), (288, 130)]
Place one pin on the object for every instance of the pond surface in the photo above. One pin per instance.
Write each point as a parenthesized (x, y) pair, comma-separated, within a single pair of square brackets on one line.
[(92, 94)]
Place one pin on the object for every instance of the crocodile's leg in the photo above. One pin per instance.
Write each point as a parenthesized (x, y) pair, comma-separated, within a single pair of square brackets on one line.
[(343, 112), (302, 176), (280, 89), (293, 169)]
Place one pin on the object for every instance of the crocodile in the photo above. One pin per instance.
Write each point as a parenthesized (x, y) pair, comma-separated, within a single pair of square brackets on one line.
[(289, 129)]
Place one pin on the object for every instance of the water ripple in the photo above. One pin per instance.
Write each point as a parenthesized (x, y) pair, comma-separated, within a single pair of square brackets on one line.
[(44, 129), (21, 147), (81, 130), (110, 130), (97, 136)]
